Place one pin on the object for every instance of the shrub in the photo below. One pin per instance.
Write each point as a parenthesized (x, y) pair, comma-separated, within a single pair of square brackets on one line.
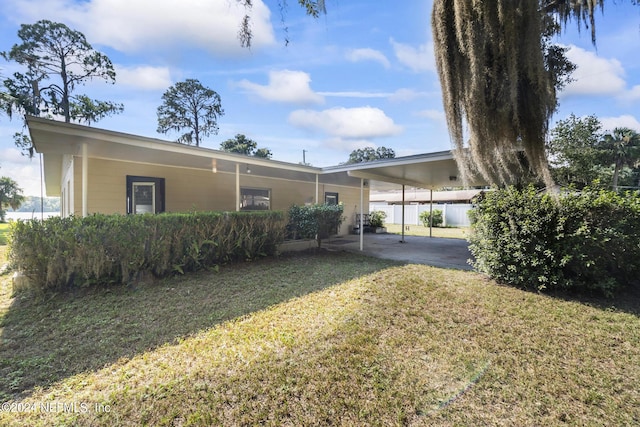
[(314, 221), (578, 241), (425, 218), (376, 218), (64, 252)]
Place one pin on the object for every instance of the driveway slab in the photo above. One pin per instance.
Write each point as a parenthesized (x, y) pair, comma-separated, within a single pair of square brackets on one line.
[(434, 251)]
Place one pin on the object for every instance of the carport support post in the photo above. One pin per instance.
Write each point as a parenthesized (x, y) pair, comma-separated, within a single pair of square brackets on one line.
[(237, 187), (85, 179), (402, 241), (431, 212), (361, 225)]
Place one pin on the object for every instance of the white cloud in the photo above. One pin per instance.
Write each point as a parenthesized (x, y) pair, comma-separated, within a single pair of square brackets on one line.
[(351, 123), (367, 54), (285, 86), (155, 25), (632, 95), (417, 59), (22, 169), (594, 75), (627, 121), (144, 77)]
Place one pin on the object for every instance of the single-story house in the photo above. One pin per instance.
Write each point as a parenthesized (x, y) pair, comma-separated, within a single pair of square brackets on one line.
[(100, 171)]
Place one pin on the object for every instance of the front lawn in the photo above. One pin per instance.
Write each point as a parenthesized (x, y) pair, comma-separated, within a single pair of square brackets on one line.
[(334, 338)]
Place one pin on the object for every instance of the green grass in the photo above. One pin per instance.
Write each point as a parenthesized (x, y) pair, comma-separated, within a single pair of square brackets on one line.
[(420, 230), (335, 338)]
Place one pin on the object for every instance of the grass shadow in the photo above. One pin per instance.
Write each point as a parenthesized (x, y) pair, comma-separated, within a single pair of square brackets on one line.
[(61, 335), (626, 299)]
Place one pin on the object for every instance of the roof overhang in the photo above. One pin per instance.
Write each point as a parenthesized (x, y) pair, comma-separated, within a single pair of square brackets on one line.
[(56, 139)]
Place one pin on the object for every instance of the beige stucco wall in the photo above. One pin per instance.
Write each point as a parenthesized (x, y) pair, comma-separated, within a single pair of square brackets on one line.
[(195, 189)]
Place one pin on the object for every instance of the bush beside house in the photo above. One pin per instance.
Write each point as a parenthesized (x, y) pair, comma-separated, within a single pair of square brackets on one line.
[(314, 222), (74, 251), (577, 241)]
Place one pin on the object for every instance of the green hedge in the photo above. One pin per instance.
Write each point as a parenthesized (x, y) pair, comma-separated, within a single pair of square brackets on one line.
[(314, 221), (75, 251), (425, 218), (578, 241)]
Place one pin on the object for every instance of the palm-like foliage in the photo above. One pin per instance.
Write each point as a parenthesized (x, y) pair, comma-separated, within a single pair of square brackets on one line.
[(623, 148)]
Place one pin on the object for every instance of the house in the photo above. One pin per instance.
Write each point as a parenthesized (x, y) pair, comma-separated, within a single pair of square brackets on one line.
[(100, 171)]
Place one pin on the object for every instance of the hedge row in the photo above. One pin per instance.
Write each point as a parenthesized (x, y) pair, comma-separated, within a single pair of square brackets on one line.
[(75, 251), (314, 221), (579, 241)]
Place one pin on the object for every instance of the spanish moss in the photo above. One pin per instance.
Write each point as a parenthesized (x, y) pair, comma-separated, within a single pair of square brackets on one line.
[(491, 65)]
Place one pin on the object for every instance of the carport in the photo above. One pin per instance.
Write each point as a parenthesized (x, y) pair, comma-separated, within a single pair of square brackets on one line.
[(430, 171)]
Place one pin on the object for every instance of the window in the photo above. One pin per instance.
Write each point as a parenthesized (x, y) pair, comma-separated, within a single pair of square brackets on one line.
[(145, 195), (255, 199), (331, 198)]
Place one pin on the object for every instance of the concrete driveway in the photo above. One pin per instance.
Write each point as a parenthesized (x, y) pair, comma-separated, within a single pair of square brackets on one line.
[(434, 251)]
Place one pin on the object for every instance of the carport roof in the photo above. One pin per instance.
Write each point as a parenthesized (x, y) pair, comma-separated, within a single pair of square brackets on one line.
[(429, 170)]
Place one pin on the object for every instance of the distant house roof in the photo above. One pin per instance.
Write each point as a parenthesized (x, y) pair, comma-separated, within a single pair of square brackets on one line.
[(418, 195)]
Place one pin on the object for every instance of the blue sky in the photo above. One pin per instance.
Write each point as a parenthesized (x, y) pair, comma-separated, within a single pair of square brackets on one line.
[(363, 75)]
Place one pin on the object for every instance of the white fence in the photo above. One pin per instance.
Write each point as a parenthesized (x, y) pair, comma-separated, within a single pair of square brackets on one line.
[(454, 215)]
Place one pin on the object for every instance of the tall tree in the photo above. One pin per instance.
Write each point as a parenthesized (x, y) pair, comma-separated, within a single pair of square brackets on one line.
[(242, 145), (10, 196), (57, 60), (190, 106), (575, 154), (53, 51), (499, 75), (623, 149), (368, 154)]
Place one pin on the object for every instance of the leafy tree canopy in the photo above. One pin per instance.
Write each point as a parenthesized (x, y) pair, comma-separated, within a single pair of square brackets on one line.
[(192, 107), (582, 154), (368, 154), (242, 145), (10, 196), (56, 60), (574, 153)]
